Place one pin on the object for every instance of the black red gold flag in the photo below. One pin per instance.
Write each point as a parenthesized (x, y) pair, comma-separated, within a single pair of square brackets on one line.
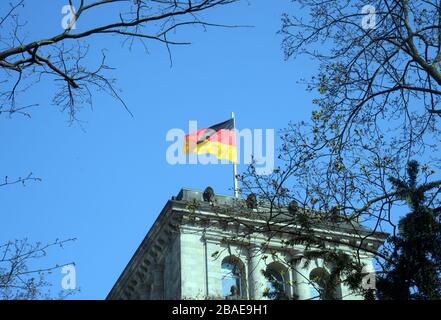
[(218, 140)]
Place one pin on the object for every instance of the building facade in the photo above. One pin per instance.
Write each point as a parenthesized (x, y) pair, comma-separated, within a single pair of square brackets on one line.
[(199, 248)]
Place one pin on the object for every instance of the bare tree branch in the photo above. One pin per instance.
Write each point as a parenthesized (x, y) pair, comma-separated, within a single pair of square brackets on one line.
[(63, 56)]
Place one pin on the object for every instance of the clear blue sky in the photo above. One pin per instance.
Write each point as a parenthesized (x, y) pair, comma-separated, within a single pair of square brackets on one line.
[(106, 185)]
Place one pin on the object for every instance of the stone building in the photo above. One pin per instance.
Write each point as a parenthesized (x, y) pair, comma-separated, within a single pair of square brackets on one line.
[(196, 250)]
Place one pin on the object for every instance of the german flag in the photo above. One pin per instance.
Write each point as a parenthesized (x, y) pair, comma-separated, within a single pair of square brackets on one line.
[(218, 140)]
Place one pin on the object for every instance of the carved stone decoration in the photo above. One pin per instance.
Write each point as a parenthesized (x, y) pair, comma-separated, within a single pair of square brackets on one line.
[(334, 214), (293, 207), (251, 201), (208, 194)]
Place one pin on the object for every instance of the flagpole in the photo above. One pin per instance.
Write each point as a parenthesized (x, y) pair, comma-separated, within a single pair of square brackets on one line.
[(236, 188)]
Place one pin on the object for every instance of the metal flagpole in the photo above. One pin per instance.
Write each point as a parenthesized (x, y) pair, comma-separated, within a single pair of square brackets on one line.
[(236, 188)]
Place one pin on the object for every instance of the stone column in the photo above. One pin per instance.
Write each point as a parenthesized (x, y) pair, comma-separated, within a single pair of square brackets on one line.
[(256, 280), (213, 274), (301, 277), (157, 292), (288, 277), (192, 265)]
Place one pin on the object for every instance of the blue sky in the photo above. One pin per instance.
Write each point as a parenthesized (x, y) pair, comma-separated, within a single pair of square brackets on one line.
[(106, 184)]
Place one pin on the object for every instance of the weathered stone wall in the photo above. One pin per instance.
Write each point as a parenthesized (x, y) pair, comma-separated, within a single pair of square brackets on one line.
[(172, 269), (192, 266)]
